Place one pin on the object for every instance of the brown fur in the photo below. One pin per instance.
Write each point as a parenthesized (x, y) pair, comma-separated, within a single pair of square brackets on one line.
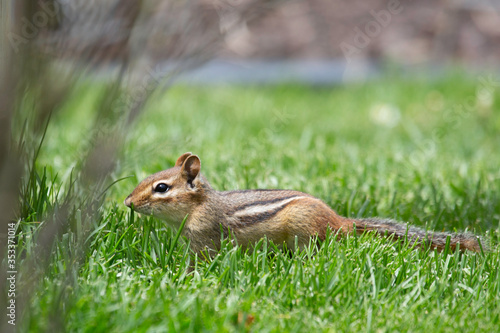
[(249, 215)]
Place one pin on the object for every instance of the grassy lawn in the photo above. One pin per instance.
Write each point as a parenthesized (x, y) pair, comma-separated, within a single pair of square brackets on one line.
[(416, 151)]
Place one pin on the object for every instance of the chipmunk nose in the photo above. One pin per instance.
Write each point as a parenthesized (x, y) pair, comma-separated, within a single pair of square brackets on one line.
[(128, 201)]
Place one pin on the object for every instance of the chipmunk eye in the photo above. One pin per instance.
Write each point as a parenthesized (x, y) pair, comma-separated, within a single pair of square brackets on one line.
[(162, 187)]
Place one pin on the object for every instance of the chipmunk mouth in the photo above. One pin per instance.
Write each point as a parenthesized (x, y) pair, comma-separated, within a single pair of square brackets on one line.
[(144, 208)]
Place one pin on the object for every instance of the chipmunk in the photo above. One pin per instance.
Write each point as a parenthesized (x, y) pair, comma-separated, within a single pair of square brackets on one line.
[(283, 216)]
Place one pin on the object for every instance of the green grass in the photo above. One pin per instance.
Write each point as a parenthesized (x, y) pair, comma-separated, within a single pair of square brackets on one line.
[(393, 148)]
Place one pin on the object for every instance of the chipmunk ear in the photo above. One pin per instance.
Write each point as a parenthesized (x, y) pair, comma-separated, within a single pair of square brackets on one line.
[(191, 167), (182, 158)]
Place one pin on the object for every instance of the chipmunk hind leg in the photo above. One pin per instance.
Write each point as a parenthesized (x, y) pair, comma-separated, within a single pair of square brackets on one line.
[(306, 218)]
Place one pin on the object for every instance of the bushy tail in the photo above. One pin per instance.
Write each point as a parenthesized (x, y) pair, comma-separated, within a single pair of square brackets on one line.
[(423, 238)]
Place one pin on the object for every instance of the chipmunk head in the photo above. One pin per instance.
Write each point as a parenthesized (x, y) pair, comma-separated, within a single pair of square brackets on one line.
[(172, 193)]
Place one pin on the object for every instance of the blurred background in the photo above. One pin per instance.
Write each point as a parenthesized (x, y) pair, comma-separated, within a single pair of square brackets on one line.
[(273, 40), (75, 76), (406, 32)]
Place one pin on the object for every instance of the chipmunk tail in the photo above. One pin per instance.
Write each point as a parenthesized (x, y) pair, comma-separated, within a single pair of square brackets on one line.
[(421, 237)]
